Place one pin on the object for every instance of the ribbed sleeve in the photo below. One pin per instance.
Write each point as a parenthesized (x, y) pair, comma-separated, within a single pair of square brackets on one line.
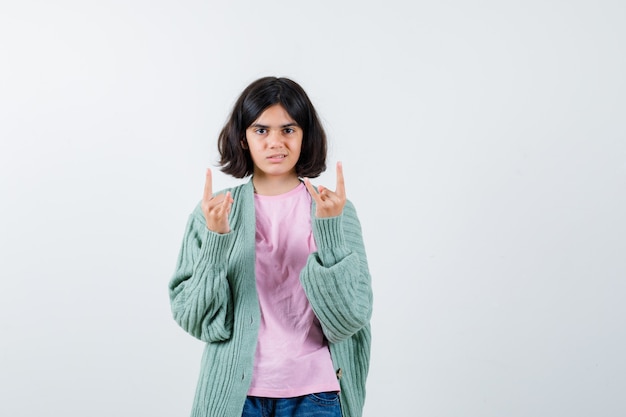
[(199, 291), (336, 278)]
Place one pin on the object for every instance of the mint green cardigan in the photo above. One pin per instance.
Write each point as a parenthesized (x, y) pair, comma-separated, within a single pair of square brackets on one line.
[(213, 297)]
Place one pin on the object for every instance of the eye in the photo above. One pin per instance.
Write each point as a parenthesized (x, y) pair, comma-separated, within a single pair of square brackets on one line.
[(260, 131), (289, 130)]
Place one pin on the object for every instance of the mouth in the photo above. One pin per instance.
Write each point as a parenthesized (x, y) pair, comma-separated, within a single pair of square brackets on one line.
[(277, 157)]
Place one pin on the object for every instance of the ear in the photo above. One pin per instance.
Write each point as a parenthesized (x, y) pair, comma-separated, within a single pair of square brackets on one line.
[(244, 144)]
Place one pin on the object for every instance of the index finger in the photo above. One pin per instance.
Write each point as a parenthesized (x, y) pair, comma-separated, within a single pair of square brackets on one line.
[(341, 187), (208, 186)]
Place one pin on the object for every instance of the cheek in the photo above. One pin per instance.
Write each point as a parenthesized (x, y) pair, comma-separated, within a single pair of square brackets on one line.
[(254, 153)]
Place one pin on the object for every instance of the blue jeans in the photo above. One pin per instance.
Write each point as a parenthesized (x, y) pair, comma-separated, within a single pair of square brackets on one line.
[(323, 404)]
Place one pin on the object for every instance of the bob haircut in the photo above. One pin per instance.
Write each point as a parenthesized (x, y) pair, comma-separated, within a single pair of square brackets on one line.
[(235, 158)]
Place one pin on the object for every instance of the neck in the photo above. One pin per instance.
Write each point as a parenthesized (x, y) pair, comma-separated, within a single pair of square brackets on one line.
[(267, 185)]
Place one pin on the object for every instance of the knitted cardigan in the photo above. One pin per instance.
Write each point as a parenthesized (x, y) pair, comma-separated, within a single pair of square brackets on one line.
[(213, 297)]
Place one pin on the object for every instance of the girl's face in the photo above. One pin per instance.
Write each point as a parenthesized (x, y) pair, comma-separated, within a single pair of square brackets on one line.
[(275, 142)]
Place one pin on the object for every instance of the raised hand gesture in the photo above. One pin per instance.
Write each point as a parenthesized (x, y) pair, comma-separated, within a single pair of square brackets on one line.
[(216, 209), (328, 203)]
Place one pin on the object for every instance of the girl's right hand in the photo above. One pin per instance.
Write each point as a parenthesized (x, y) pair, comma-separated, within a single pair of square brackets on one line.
[(216, 209)]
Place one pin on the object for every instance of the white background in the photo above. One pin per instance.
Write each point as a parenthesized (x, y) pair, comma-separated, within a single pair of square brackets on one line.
[(484, 146)]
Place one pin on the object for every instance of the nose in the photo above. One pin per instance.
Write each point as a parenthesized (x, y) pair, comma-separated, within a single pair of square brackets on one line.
[(274, 139)]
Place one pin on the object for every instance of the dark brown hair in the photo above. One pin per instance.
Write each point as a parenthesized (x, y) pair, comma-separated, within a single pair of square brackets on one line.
[(258, 96)]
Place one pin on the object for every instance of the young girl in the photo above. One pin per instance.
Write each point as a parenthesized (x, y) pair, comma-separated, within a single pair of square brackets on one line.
[(272, 274)]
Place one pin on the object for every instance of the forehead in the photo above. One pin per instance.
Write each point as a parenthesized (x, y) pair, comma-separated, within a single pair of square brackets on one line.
[(274, 115)]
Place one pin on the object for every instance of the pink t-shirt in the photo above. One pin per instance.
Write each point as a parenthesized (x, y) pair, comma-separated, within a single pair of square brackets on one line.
[(292, 356)]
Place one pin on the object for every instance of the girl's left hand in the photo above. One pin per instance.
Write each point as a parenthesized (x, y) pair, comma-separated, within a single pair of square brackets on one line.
[(328, 203)]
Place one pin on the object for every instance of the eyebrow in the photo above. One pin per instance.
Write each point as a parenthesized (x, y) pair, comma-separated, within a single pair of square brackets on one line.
[(294, 124)]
